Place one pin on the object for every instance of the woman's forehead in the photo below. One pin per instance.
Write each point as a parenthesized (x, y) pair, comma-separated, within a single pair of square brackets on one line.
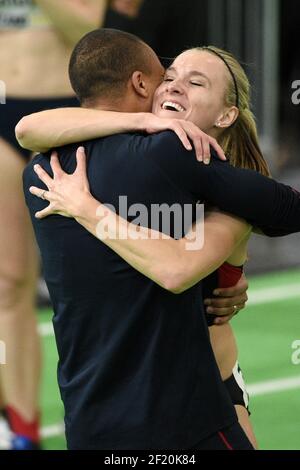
[(203, 62), (199, 59)]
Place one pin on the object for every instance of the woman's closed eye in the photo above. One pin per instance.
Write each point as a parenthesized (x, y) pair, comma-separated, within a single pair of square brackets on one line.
[(197, 83)]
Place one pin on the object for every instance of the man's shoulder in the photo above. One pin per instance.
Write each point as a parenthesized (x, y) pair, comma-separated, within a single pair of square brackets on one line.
[(166, 139), (136, 143), (167, 143), (160, 146)]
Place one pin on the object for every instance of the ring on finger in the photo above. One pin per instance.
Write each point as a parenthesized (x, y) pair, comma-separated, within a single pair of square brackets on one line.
[(42, 196)]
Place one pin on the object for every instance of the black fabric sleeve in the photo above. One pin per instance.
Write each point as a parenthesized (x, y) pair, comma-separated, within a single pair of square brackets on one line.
[(263, 202)]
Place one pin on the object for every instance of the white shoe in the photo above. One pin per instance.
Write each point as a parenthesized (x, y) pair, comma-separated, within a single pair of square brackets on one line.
[(5, 435)]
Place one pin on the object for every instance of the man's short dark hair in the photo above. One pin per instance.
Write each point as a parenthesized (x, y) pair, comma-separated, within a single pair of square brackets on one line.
[(103, 61)]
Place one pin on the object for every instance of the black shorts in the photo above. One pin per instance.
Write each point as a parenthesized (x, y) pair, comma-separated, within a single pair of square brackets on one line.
[(236, 388), (230, 438), (15, 108)]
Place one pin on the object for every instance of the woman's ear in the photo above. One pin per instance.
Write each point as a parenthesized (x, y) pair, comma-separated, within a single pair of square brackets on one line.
[(228, 118), (139, 84)]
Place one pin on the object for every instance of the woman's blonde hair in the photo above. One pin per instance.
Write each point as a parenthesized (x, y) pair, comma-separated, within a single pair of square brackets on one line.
[(240, 140)]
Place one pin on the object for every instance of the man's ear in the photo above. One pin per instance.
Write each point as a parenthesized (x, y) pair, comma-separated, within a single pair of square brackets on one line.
[(228, 117), (139, 84)]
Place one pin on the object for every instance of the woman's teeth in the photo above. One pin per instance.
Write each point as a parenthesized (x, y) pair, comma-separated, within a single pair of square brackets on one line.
[(170, 106)]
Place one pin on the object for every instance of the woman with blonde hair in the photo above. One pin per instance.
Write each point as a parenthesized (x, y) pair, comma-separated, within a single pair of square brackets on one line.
[(209, 88)]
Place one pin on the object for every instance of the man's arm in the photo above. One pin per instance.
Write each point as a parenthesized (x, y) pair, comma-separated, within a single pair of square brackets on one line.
[(74, 18), (263, 202)]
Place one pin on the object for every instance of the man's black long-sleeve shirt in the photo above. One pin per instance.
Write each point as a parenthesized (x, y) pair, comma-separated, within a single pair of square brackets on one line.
[(273, 207), (136, 368)]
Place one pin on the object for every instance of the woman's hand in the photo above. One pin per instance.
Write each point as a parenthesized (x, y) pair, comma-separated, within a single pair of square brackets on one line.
[(67, 194), (185, 130)]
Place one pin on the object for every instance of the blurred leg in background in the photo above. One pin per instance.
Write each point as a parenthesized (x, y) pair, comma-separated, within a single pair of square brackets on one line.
[(36, 42), (18, 276)]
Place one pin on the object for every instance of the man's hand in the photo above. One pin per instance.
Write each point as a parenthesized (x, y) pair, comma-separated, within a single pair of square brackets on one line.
[(185, 130), (228, 301), (67, 194)]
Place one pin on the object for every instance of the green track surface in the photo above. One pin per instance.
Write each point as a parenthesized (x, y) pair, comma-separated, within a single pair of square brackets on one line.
[(265, 334)]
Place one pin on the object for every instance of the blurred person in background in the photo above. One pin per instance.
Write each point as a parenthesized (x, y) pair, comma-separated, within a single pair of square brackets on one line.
[(168, 26), (36, 40), (125, 8)]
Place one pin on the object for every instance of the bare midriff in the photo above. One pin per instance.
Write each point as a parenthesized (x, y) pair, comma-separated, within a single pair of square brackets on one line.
[(34, 63)]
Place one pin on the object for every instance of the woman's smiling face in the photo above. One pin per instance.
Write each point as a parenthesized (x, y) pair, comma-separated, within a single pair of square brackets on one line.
[(193, 89)]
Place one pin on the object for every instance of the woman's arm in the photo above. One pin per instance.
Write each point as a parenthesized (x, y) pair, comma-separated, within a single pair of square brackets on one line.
[(53, 128), (74, 18), (42, 131), (166, 261)]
